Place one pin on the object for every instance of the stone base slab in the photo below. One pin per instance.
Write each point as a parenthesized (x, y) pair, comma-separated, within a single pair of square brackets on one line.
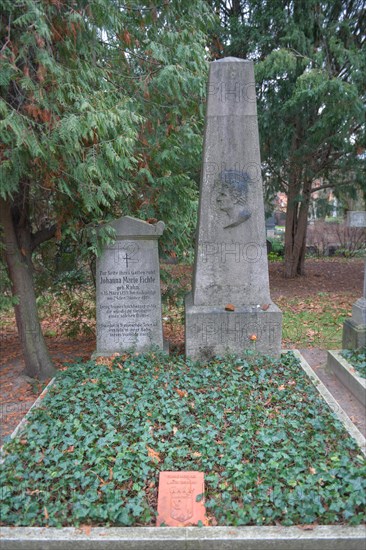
[(335, 537), (211, 330), (347, 375), (97, 354), (354, 335), (359, 312)]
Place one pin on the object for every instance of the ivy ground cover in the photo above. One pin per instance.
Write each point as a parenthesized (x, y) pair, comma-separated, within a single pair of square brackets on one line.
[(271, 449), (357, 358)]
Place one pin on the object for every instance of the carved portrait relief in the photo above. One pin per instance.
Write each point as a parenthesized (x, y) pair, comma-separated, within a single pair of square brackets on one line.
[(231, 197)]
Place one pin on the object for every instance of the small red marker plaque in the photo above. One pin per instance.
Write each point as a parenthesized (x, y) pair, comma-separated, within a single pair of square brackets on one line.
[(181, 499)]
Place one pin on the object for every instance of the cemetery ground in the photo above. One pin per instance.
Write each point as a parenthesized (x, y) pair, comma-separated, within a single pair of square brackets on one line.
[(92, 452), (314, 310)]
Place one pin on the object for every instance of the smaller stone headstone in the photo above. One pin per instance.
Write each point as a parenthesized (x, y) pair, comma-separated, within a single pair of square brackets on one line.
[(181, 499), (354, 329), (128, 289), (356, 218)]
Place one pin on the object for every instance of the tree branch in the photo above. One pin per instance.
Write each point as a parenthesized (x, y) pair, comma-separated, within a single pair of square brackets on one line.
[(330, 184), (43, 235)]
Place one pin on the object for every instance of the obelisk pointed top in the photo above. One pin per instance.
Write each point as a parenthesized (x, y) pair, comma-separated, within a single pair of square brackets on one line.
[(231, 88), (232, 60)]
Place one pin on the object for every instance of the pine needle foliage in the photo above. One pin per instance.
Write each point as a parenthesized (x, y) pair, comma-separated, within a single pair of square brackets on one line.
[(67, 129), (100, 115), (165, 68), (102, 108), (310, 69)]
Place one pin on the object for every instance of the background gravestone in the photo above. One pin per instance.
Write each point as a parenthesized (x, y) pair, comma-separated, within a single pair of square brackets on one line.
[(231, 266), (354, 329), (128, 289)]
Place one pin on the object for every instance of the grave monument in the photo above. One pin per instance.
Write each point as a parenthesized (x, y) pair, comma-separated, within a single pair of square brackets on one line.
[(229, 308), (354, 329), (128, 289)]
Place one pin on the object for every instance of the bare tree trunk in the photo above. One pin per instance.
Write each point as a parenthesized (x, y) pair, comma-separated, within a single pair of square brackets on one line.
[(18, 258), (296, 228)]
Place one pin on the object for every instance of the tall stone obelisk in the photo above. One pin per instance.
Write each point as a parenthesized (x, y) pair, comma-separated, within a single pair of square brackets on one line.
[(230, 309)]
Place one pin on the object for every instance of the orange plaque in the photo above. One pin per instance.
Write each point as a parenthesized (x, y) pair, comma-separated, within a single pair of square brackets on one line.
[(181, 499)]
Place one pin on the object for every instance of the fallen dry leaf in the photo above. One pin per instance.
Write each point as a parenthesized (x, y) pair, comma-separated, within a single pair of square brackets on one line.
[(229, 307), (154, 455), (86, 529), (181, 393)]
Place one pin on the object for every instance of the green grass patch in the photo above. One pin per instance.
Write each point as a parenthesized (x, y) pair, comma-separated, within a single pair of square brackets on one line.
[(314, 321), (357, 358), (271, 449)]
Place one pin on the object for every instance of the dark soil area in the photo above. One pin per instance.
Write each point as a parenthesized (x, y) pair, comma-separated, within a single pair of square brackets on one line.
[(322, 275), (331, 275)]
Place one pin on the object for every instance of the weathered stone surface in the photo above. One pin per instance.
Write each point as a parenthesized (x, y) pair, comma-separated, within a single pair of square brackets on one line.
[(231, 246), (348, 375), (354, 329), (354, 336), (231, 253), (214, 331), (356, 218), (359, 311), (326, 537), (128, 289), (181, 499)]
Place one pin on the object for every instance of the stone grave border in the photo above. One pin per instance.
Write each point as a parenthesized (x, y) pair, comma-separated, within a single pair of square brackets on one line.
[(335, 537), (333, 404), (328, 537), (24, 420), (347, 375)]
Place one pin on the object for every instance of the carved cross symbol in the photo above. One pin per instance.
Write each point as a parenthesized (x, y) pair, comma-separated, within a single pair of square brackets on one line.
[(127, 259)]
